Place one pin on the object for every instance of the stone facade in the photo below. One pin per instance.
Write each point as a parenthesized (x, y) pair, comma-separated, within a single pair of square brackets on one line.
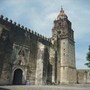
[(27, 57), (25, 52)]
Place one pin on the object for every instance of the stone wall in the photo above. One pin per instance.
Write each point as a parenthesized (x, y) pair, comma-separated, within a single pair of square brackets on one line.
[(5, 51), (83, 76), (54, 64), (43, 66), (16, 46), (67, 53), (18, 50), (67, 62)]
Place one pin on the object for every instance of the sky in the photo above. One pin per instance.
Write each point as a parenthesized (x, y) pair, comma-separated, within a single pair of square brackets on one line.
[(38, 15)]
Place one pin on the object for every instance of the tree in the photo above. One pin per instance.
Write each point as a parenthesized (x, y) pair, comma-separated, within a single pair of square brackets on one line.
[(88, 58)]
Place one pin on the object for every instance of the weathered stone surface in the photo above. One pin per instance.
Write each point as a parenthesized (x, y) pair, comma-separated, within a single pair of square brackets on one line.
[(83, 76), (18, 50), (27, 57)]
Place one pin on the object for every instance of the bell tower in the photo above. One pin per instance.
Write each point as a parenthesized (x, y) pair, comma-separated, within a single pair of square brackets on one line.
[(63, 41)]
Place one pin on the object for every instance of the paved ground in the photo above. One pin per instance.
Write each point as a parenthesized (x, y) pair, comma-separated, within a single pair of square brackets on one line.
[(61, 87)]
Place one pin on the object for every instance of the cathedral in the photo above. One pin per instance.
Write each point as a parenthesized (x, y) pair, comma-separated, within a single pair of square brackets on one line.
[(29, 57)]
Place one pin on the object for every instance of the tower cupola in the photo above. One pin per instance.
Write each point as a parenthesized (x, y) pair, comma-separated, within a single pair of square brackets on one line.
[(61, 15)]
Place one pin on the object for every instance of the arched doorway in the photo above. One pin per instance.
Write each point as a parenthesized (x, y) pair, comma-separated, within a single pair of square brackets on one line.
[(17, 78)]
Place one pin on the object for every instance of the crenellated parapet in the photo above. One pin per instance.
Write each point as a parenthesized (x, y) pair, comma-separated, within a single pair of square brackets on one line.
[(10, 23)]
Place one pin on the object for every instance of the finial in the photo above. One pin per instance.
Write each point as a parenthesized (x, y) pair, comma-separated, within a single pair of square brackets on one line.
[(10, 21), (15, 23), (62, 9), (6, 19), (2, 16)]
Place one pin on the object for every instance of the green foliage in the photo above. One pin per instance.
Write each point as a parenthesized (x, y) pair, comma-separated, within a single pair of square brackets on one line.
[(88, 58)]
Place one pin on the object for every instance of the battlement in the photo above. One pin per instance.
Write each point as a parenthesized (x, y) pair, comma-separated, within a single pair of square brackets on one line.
[(10, 23)]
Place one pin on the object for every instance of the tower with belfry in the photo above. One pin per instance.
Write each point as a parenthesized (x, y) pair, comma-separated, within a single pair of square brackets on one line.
[(63, 40)]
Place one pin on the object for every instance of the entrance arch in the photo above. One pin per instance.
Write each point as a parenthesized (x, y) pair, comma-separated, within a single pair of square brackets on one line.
[(17, 78)]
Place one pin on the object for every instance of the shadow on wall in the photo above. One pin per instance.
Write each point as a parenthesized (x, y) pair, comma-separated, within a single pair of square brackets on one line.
[(4, 89)]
